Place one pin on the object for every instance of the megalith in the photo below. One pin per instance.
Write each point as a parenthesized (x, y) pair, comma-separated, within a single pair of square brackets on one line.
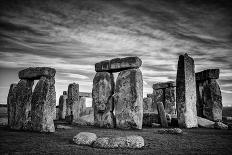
[(82, 104), (147, 105), (186, 92), (23, 95), (62, 106), (43, 103), (209, 98), (103, 89), (11, 105), (129, 99)]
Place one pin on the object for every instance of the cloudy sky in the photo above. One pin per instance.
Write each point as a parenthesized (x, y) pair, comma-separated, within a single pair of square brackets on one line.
[(73, 35)]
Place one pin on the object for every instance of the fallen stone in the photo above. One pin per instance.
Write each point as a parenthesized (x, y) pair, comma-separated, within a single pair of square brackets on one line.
[(128, 99), (120, 142), (220, 125), (85, 138), (43, 103), (62, 106), (118, 64), (63, 127), (103, 89), (35, 73), (207, 74), (170, 131), (11, 105), (186, 92), (162, 85), (155, 125), (205, 123), (23, 96), (149, 118)]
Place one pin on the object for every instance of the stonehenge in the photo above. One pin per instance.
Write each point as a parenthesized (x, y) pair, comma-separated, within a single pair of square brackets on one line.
[(209, 98), (122, 106), (33, 110), (186, 92)]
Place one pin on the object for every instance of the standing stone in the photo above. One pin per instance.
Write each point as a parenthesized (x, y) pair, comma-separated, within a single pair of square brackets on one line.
[(186, 92), (212, 108), (43, 101), (200, 102), (103, 89), (170, 101), (82, 104), (62, 106), (11, 105), (73, 101), (129, 99), (147, 105), (159, 99), (23, 95)]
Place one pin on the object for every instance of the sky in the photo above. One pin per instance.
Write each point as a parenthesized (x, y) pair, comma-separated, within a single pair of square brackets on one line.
[(72, 35)]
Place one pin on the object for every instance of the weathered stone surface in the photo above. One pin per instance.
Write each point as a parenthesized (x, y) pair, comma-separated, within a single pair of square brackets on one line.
[(62, 106), (186, 92), (119, 142), (205, 123), (200, 102), (85, 94), (212, 100), (65, 93), (42, 107), (149, 118), (89, 119), (87, 111), (73, 103), (23, 95), (36, 72), (207, 74), (150, 95), (159, 99), (63, 127), (170, 101), (84, 138), (11, 105), (162, 85), (103, 89), (147, 105), (118, 64), (155, 125), (220, 125), (129, 99), (170, 131), (82, 104)]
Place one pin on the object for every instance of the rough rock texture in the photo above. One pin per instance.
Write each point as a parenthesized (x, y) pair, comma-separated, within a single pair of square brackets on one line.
[(149, 118), (170, 131), (118, 64), (220, 125), (170, 101), (147, 105), (84, 138), (87, 111), (82, 104), (212, 100), (119, 142), (73, 103), (103, 89), (65, 93), (42, 105), (150, 95), (129, 99), (163, 85), (23, 95), (200, 101), (205, 123), (159, 98), (63, 127), (11, 105), (186, 92), (207, 74), (62, 106), (36, 72)]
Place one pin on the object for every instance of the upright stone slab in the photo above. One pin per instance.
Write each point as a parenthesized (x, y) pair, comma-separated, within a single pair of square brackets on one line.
[(200, 102), (103, 89), (73, 101), (62, 106), (43, 101), (129, 99), (186, 92), (23, 94), (82, 104), (159, 100), (147, 105), (212, 98), (11, 105), (170, 101)]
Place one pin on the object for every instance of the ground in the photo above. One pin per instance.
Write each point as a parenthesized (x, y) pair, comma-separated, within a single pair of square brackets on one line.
[(193, 141)]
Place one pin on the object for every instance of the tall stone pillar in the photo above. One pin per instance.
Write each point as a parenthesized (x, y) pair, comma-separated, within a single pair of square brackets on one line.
[(103, 89), (43, 102), (11, 105), (129, 99), (62, 106), (82, 104), (186, 92)]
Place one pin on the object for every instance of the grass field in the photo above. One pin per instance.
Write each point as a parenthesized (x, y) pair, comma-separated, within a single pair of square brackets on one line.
[(193, 141)]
